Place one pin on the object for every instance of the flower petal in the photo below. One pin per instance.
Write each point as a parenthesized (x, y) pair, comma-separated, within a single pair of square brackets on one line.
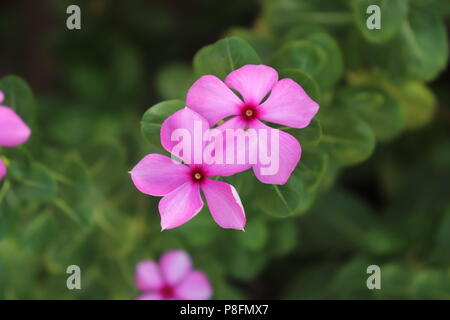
[(224, 204), (289, 105), (158, 175), (181, 205), (3, 169), (151, 296), (182, 135), (148, 276), (13, 131), (210, 97), (175, 266), (276, 158), (253, 82), (195, 286), (231, 150)]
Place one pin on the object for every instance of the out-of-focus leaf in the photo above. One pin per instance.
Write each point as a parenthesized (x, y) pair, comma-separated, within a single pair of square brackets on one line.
[(376, 107), (347, 139), (425, 46), (304, 55), (392, 14), (350, 281), (224, 56)]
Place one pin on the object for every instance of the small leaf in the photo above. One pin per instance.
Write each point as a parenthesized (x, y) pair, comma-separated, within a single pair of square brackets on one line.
[(155, 116), (375, 106), (19, 96), (224, 56), (347, 139), (392, 14)]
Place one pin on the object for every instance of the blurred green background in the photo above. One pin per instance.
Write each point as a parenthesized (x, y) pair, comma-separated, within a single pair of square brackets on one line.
[(373, 186)]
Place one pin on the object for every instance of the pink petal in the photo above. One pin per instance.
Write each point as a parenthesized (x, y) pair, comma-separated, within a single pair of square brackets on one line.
[(148, 276), (224, 204), (181, 205), (185, 128), (279, 165), (175, 266), (2, 96), (3, 169), (158, 175), (151, 296), (13, 131), (289, 105), (195, 286), (232, 150), (210, 97), (253, 82)]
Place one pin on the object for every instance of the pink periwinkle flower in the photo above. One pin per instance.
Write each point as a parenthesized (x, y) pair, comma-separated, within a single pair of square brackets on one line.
[(13, 131), (265, 98), (180, 184), (172, 279)]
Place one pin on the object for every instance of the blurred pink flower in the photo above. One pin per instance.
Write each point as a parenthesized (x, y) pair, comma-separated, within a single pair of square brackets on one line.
[(13, 131), (180, 184), (287, 104), (171, 279)]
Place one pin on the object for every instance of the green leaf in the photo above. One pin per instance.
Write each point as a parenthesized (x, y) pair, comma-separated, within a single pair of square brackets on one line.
[(281, 16), (262, 45), (392, 14), (224, 56), (379, 109), (19, 96), (418, 102), (347, 139), (301, 54), (298, 194), (154, 117), (304, 80), (333, 68), (350, 280), (424, 44), (339, 222), (309, 137)]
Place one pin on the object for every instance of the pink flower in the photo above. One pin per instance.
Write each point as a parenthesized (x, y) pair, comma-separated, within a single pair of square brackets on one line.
[(287, 104), (171, 279), (13, 131), (180, 184)]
